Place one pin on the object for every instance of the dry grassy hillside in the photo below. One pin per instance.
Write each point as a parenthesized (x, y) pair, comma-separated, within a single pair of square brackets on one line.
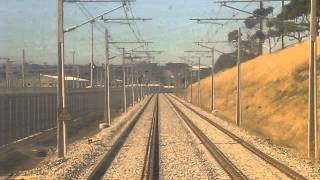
[(274, 93)]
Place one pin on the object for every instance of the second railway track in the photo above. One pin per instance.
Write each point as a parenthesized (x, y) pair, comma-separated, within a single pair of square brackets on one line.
[(273, 162), (218, 155)]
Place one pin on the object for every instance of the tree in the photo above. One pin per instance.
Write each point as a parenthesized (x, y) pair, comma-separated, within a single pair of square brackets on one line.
[(229, 60), (255, 23), (295, 17)]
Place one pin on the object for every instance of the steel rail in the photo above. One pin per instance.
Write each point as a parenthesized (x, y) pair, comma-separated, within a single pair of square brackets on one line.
[(105, 162), (275, 163), (233, 171), (152, 159)]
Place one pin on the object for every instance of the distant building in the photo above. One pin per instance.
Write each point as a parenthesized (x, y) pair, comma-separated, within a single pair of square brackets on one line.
[(44, 80), (70, 81)]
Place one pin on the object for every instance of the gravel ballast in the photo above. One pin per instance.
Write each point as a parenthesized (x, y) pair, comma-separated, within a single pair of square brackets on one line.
[(129, 162), (182, 156), (84, 154), (287, 156)]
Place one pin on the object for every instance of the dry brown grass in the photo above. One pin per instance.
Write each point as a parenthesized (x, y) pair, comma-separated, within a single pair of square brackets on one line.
[(274, 95)]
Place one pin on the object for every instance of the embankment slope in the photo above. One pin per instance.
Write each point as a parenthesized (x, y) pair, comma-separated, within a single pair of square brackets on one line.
[(274, 95)]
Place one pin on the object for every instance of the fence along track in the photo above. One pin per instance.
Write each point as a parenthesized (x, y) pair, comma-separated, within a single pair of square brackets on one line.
[(218, 155), (104, 164), (278, 165), (152, 159)]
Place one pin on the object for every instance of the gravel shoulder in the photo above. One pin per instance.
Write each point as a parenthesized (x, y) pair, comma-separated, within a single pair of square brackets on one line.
[(182, 156), (129, 162), (82, 155), (251, 165), (285, 155)]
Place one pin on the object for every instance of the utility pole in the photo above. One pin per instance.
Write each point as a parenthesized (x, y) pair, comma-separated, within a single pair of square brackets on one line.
[(61, 124), (212, 83), (73, 69), (282, 36), (140, 82), (261, 29), (312, 114), (212, 71), (124, 81), (62, 114), (8, 73), (238, 103), (107, 82), (39, 78), (101, 74), (6, 69), (91, 66), (185, 73), (199, 68), (97, 75), (132, 84), (191, 83), (78, 76), (23, 68), (199, 88)]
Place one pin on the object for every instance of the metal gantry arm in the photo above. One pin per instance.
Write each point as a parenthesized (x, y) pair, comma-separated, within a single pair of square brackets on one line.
[(195, 51), (88, 1), (148, 51), (92, 19), (243, 1), (263, 17), (125, 19)]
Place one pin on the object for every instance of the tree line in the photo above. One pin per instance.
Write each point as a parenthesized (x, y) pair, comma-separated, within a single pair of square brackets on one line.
[(263, 28)]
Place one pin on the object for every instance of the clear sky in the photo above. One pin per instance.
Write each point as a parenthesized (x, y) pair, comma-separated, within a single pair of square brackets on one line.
[(31, 24)]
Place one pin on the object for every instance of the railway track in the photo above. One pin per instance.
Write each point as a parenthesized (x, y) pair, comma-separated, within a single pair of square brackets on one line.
[(223, 161), (151, 158), (278, 165)]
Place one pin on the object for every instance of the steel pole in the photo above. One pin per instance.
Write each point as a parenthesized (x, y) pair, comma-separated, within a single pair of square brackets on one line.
[(8, 74), (191, 83), (261, 29), (124, 81), (73, 70), (282, 36), (107, 83), (212, 83), (199, 84), (23, 68), (185, 84), (132, 84), (312, 114), (61, 125), (141, 95), (91, 66), (78, 76), (238, 103)]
